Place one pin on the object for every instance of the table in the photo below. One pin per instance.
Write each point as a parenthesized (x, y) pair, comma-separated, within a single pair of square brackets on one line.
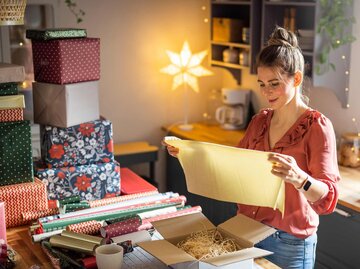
[(30, 254)]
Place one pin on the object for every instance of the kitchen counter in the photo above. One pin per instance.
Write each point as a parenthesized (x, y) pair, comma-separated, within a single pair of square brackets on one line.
[(349, 185)]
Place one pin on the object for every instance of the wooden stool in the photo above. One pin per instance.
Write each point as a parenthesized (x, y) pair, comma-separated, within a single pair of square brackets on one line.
[(137, 152)]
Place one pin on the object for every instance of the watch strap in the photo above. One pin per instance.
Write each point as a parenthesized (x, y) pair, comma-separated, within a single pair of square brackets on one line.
[(307, 185)]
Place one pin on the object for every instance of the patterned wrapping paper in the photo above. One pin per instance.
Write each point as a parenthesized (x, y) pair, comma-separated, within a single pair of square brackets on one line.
[(87, 143), (55, 33), (64, 61), (9, 88), (16, 163), (118, 199), (121, 227), (88, 227), (21, 198), (16, 114), (2, 222), (34, 215), (90, 182), (11, 73)]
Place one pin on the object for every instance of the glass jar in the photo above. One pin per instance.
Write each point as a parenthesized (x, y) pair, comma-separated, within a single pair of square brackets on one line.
[(231, 55), (349, 150)]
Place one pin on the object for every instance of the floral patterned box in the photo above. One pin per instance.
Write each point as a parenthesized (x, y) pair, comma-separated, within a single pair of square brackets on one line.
[(86, 143), (90, 182)]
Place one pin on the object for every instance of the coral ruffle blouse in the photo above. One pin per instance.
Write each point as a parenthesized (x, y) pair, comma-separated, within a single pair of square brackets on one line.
[(311, 141)]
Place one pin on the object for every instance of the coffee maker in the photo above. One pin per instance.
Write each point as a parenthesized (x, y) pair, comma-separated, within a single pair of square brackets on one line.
[(234, 113)]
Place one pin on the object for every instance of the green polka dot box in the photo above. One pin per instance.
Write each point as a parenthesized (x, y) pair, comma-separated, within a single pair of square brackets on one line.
[(16, 164)]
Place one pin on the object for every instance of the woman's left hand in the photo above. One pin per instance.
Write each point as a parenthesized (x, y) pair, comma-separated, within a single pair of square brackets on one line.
[(285, 166)]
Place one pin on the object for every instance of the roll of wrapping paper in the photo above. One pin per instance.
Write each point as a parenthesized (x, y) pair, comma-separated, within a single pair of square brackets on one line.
[(68, 200), (86, 212), (136, 237), (40, 237), (88, 227), (158, 212), (72, 244), (2, 222), (122, 227), (125, 204), (35, 215), (84, 237), (113, 200), (146, 225), (111, 221), (89, 262), (62, 223), (73, 207)]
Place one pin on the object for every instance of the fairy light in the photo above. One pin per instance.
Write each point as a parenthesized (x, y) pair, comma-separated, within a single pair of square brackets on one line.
[(356, 126), (204, 9)]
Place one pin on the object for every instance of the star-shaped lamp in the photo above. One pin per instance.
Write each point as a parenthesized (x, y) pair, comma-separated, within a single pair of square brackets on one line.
[(186, 68)]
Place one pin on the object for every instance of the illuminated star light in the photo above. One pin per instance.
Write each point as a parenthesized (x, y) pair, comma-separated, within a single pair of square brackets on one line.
[(186, 67)]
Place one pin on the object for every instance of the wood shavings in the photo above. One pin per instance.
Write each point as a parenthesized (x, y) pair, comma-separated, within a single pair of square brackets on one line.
[(207, 244)]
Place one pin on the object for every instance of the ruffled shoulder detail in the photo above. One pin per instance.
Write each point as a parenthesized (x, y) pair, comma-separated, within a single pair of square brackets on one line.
[(301, 127), (261, 119)]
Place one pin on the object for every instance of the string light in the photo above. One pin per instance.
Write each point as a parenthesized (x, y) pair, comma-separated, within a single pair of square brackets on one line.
[(203, 8)]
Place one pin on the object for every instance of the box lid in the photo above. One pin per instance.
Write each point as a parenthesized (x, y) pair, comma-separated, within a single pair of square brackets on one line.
[(183, 225), (246, 230)]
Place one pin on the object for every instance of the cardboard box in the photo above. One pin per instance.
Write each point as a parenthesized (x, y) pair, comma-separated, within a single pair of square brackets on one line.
[(64, 61), (11, 73), (245, 231), (65, 105), (227, 30), (131, 183)]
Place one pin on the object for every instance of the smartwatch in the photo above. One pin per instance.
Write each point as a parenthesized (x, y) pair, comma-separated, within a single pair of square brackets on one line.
[(307, 185)]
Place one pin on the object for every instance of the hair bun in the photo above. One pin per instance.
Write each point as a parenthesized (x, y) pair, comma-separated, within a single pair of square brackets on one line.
[(283, 37)]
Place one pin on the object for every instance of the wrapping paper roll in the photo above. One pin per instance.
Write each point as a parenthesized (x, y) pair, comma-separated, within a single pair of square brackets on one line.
[(112, 221), (147, 222), (42, 236), (68, 200), (73, 244), (113, 200), (73, 207), (84, 237), (89, 262), (35, 215), (62, 223), (158, 212), (136, 237), (2, 222), (54, 261), (122, 227), (88, 227)]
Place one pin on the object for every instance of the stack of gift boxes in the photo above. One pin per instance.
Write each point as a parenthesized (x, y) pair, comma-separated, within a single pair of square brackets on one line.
[(19, 191), (77, 146)]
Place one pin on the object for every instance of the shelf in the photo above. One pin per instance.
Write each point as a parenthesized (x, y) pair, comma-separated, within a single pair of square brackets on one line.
[(229, 65), (231, 44), (290, 3), (229, 2), (307, 53)]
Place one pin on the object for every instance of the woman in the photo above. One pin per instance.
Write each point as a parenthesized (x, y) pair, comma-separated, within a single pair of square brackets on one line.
[(303, 152)]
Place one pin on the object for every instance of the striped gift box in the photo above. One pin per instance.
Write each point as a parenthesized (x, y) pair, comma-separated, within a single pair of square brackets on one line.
[(15, 114)]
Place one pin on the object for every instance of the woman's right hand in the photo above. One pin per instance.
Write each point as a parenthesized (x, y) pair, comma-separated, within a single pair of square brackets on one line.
[(173, 151)]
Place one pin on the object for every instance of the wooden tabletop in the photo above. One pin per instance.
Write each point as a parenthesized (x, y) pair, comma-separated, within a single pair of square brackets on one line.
[(349, 185)]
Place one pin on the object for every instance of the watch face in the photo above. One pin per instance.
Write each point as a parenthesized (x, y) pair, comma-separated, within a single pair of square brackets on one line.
[(307, 185)]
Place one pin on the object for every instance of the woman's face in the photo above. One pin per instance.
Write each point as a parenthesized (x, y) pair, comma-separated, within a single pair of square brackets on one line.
[(278, 91)]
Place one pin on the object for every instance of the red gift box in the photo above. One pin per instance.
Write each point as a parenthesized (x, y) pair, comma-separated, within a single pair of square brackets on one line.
[(65, 61), (21, 198), (131, 183), (15, 114)]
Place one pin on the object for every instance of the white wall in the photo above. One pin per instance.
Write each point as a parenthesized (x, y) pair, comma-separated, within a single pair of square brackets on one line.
[(137, 98), (135, 34)]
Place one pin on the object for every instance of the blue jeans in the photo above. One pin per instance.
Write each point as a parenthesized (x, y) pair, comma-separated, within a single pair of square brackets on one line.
[(290, 251)]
